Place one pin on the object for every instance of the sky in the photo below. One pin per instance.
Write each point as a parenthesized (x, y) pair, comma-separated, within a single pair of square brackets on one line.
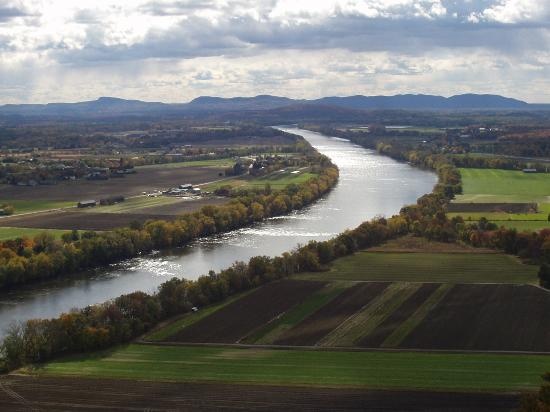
[(176, 50)]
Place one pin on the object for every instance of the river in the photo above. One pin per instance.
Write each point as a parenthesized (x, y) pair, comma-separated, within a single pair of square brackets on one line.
[(369, 185)]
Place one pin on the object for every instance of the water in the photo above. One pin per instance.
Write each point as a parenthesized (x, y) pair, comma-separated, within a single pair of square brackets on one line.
[(369, 185)]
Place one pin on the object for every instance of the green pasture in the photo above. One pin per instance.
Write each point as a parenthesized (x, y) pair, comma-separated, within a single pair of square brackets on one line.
[(376, 370), (496, 185), (7, 233), (26, 206), (429, 267)]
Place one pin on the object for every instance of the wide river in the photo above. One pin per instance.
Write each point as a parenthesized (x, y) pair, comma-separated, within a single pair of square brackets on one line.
[(370, 185)]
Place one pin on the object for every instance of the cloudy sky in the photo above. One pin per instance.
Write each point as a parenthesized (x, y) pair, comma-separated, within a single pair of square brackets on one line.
[(175, 50)]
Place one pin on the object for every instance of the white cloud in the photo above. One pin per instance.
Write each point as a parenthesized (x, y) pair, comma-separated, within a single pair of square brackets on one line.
[(176, 49)]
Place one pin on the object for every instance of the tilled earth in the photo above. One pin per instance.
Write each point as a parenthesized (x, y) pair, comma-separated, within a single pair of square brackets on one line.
[(20, 393)]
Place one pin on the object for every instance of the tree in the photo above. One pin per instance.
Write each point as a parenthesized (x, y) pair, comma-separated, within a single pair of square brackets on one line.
[(544, 276)]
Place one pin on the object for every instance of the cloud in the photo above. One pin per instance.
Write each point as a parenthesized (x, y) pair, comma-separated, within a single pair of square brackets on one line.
[(386, 43)]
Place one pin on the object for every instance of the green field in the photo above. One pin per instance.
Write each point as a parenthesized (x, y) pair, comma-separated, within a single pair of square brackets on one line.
[(7, 233), (26, 206), (377, 370), (277, 180), (496, 185), (133, 204), (217, 163), (429, 267), (506, 186)]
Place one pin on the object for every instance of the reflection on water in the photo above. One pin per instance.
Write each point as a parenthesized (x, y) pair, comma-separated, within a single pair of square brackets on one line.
[(369, 185)]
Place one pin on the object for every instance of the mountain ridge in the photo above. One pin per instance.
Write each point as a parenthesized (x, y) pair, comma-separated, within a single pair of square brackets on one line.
[(113, 106)]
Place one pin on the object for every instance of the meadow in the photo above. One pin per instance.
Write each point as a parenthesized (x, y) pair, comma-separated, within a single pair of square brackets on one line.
[(376, 370), (428, 267)]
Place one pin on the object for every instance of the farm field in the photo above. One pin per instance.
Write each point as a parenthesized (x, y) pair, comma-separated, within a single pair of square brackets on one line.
[(110, 217), (277, 180), (29, 206), (130, 185), (505, 186), (399, 315), (496, 185), (428, 267), (235, 321), (338, 369), (216, 163), (105, 395), (15, 232)]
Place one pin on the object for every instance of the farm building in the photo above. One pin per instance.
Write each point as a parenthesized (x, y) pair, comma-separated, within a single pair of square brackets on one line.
[(87, 203), (529, 170), (186, 186)]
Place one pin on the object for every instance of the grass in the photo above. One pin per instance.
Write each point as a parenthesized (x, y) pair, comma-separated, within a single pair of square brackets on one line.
[(429, 267), (403, 330), (371, 316), (26, 206), (277, 180), (172, 328), (530, 226), (377, 370), (133, 204), (216, 163), (7, 233), (496, 185), (270, 332)]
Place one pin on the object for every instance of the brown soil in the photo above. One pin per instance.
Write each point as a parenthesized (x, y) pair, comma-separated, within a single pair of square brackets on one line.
[(401, 314), (146, 180), (18, 393), (487, 317), (330, 316), (238, 319), (73, 219), (492, 207)]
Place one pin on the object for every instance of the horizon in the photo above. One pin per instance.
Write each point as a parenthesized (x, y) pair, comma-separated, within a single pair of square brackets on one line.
[(272, 95)]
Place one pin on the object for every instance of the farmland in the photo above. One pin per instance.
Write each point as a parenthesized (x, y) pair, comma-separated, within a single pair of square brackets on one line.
[(506, 186), (429, 267), (373, 370), (115, 395), (277, 180), (15, 232), (393, 296)]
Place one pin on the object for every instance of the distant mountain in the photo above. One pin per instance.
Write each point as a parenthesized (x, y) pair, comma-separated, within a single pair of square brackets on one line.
[(261, 102), (426, 102), (208, 105)]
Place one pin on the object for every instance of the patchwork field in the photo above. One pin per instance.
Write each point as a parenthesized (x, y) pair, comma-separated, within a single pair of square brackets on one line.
[(55, 393), (235, 321), (483, 186), (389, 298)]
